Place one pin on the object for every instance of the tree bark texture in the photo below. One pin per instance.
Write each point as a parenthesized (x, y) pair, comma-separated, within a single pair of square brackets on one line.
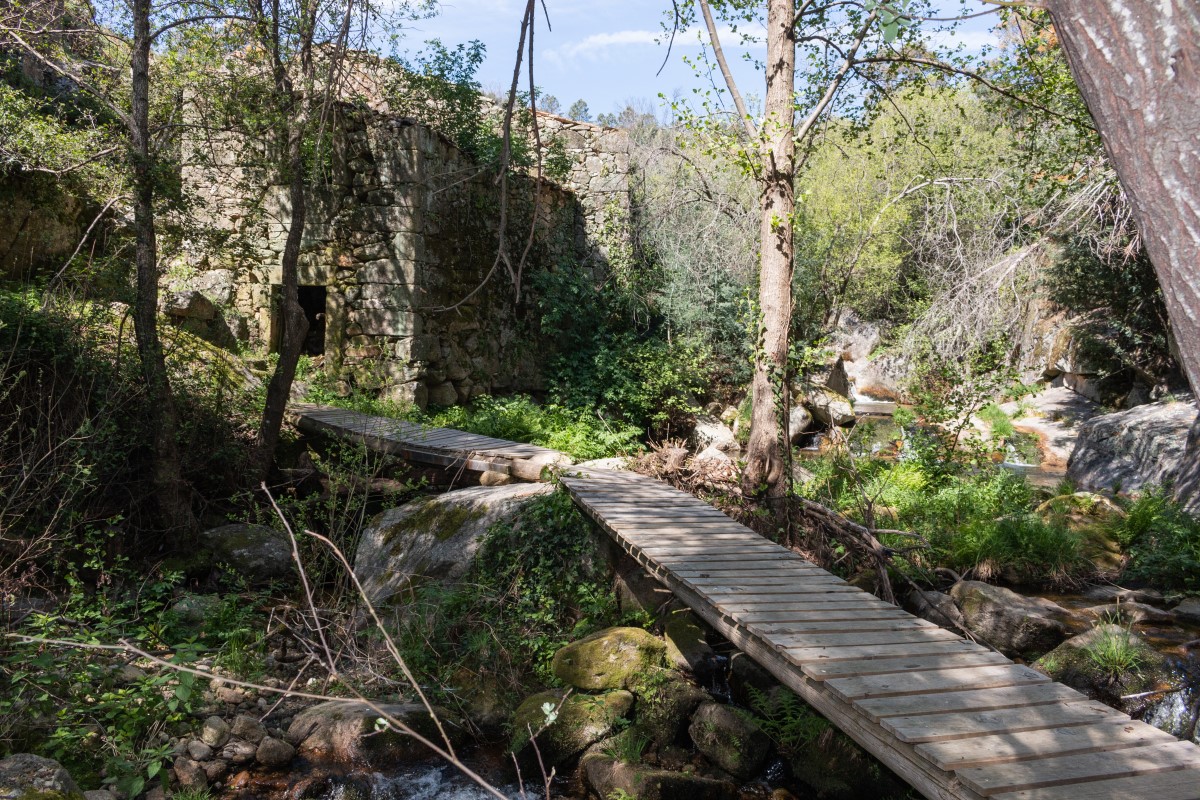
[(765, 452), (172, 494), (1137, 63), (295, 324)]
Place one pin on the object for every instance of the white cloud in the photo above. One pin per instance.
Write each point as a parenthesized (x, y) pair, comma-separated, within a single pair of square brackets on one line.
[(599, 46)]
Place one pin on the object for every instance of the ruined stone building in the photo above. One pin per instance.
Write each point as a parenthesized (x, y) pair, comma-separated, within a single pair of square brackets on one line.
[(399, 238)]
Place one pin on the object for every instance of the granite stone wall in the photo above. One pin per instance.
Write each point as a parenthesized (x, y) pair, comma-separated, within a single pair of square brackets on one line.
[(399, 239)]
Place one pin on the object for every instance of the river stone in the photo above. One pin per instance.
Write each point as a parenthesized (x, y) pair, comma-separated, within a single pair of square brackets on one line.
[(830, 408), (729, 738), (1117, 594), (214, 732), (581, 721), (1074, 664), (711, 432), (1128, 613), (274, 752), (1188, 609), (1133, 449), (190, 774), (255, 552), (248, 728), (238, 752), (434, 537), (24, 776), (1019, 627), (198, 750), (345, 733), (614, 658), (609, 777)]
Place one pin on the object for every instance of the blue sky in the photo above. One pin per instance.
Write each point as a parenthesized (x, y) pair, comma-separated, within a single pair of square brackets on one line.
[(606, 52)]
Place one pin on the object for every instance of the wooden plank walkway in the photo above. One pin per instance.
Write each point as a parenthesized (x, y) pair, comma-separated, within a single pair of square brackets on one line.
[(955, 720)]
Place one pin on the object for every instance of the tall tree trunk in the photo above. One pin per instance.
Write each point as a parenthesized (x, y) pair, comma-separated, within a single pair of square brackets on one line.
[(172, 494), (765, 463), (295, 324), (1137, 63)]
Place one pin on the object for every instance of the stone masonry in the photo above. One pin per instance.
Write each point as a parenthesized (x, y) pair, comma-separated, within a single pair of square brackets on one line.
[(400, 236)]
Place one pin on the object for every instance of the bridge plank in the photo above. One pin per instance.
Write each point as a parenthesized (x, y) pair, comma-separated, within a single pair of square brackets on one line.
[(851, 689), (971, 700), (1177, 785), (1056, 771), (942, 727), (1108, 734), (913, 663)]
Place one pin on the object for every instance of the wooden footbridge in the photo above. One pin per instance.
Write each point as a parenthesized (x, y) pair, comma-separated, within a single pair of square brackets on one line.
[(952, 718)]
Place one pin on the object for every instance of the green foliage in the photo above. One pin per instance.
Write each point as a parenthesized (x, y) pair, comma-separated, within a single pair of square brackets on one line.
[(610, 355), (580, 432), (998, 419), (1115, 652), (439, 88), (536, 585), (790, 722), (1123, 324), (627, 746), (1163, 542), (1024, 545), (557, 163)]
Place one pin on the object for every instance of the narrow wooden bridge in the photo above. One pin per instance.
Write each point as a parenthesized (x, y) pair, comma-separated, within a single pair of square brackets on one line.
[(952, 718)]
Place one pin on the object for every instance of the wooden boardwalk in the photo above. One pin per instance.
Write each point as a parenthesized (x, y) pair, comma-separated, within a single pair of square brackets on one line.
[(952, 718)]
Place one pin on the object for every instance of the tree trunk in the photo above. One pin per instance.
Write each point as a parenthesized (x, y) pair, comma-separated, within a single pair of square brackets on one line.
[(295, 324), (765, 463), (1137, 63), (172, 494)]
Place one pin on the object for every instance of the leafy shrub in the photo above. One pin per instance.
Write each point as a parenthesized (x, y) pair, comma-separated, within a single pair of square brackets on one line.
[(1163, 542)]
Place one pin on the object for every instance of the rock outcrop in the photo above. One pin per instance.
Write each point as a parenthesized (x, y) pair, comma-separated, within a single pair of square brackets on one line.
[(347, 733), (1137, 448), (255, 552), (1019, 627), (434, 537), (24, 776)]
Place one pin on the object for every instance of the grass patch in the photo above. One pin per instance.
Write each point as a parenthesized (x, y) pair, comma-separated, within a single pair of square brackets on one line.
[(1163, 542), (999, 421), (1115, 652)]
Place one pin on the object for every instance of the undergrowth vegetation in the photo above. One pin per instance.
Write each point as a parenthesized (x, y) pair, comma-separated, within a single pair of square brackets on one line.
[(537, 584)]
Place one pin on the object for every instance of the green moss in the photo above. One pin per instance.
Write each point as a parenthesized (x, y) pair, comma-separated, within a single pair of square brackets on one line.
[(443, 520), (581, 720), (616, 658)]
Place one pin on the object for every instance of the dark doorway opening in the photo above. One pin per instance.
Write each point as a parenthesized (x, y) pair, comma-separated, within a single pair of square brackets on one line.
[(312, 300)]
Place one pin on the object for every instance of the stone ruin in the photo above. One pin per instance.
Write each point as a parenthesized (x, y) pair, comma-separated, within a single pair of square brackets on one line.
[(399, 239)]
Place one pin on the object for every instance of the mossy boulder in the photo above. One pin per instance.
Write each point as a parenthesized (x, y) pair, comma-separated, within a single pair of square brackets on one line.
[(24, 776), (664, 708), (256, 553), (614, 658), (347, 733), (730, 738), (607, 776), (1107, 663), (580, 720), (434, 538)]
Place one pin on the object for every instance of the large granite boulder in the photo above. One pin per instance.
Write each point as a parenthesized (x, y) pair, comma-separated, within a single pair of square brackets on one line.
[(711, 432), (434, 537), (350, 733), (614, 658), (830, 408), (1018, 626), (1143, 446), (24, 776)]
